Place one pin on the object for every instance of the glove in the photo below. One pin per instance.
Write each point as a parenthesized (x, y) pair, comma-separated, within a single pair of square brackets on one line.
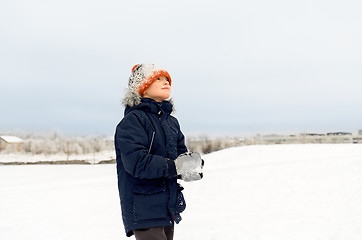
[(189, 166)]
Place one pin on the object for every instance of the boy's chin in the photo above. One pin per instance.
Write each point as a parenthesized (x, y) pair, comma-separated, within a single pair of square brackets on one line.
[(165, 97)]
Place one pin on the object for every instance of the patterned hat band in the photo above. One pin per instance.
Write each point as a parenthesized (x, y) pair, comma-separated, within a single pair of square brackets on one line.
[(143, 75)]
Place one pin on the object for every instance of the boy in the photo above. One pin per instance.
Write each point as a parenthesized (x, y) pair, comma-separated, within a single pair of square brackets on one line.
[(151, 156)]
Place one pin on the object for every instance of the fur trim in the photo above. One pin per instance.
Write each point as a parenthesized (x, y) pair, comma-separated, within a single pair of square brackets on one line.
[(131, 99), (173, 105)]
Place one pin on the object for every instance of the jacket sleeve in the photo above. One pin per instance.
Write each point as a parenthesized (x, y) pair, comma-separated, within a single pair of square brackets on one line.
[(132, 141)]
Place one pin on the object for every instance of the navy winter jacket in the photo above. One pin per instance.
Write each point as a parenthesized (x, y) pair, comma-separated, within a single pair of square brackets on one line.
[(147, 140)]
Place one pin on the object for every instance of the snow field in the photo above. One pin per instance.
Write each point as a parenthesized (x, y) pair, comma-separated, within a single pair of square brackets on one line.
[(281, 192), (59, 202), (30, 158), (278, 192)]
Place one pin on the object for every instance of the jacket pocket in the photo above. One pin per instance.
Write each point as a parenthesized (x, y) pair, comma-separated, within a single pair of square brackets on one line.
[(150, 202)]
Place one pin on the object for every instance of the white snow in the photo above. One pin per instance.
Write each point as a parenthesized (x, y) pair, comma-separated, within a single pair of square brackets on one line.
[(281, 192), (27, 158)]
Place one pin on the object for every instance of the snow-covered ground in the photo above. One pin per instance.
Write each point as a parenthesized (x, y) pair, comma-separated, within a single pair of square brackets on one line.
[(30, 158), (281, 192)]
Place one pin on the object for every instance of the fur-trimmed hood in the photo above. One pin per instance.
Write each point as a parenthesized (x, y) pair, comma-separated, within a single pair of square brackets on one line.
[(133, 100)]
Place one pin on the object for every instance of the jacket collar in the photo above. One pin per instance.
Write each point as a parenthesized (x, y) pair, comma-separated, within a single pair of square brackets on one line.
[(152, 106)]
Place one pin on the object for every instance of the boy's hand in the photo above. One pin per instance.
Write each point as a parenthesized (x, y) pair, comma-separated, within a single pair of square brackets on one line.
[(189, 166)]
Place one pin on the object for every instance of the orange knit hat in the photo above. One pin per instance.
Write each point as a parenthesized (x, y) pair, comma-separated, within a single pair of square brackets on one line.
[(143, 75)]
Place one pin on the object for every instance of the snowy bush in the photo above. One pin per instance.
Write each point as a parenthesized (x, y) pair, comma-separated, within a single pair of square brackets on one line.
[(207, 145), (56, 143)]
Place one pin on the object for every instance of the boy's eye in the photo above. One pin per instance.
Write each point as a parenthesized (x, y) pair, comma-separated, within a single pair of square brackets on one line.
[(159, 79)]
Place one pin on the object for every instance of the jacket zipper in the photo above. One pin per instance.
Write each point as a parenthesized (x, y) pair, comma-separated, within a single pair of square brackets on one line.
[(153, 137)]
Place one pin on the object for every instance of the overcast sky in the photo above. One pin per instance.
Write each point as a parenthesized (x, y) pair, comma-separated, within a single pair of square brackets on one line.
[(238, 67)]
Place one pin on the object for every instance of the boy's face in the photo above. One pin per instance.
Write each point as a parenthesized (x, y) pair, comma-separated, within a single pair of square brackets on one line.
[(159, 90)]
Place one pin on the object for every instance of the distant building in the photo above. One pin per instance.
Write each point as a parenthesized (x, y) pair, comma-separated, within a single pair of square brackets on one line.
[(312, 134), (358, 138), (338, 133), (334, 137), (11, 143)]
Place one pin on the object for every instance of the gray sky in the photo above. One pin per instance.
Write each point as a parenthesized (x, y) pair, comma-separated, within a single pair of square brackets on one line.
[(238, 67)]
